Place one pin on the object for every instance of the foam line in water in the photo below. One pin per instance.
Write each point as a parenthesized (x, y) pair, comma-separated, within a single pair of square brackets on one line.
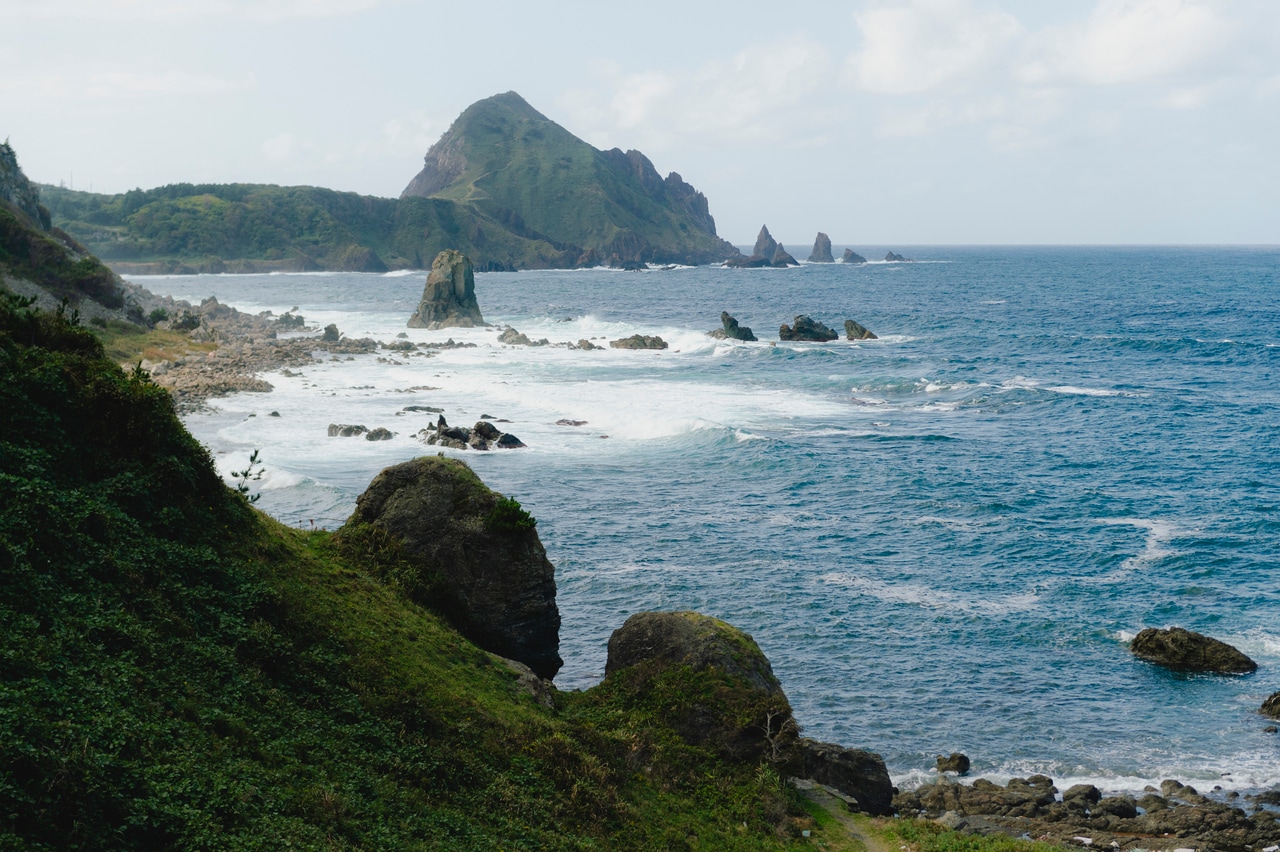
[(1159, 533), (929, 597)]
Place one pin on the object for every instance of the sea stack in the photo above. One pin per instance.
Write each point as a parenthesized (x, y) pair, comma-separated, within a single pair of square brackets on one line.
[(449, 297), (821, 250), (851, 256)]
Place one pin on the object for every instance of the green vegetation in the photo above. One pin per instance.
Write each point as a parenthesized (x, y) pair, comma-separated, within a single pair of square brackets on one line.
[(929, 836), (508, 516), (30, 253)]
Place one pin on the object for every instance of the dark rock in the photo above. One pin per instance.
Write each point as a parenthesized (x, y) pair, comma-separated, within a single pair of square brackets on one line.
[(895, 258), (717, 688), (514, 338), (765, 246), (486, 430), (781, 258), (489, 576), (1186, 650), (749, 262), (1086, 793), (449, 297), (401, 346), (631, 265), (1271, 707), (1123, 807), (274, 414), (507, 441), (1270, 729), (639, 341), (856, 331), (379, 434), (851, 256), (956, 762), (857, 774), (806, 328), (565, 421), (587, 345), (821, 250), (331, 334), (732, 330), (345, 430), (431, 409)]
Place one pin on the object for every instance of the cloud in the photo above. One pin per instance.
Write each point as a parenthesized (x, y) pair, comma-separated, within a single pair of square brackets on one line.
[(920, 45), (114, 85), (183, 10), (1125, 41)]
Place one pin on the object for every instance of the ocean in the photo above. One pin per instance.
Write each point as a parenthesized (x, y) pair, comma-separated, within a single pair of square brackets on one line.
[(943, 539)]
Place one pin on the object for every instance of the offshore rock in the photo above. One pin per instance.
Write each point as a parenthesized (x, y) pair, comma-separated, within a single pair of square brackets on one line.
[(449, 297), (480, 564), (859, 775), (639, 341), (851, 256), (806, 328), (1271, 707), (781, 258), (733, 331), (767, 252), (483, 436), (821, 250), (857, 331), (346, 430), (955, 762), (717, 686), (515, 338), (1186, 650), (893, 257), (765, 245)]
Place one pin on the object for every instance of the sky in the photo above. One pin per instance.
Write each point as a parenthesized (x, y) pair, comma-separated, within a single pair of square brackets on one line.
[(879, 122)]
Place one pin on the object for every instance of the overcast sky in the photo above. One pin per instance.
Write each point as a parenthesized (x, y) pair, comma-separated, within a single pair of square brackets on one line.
[(893, 122)]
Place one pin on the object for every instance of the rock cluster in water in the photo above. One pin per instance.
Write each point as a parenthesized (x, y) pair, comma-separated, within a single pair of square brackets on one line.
[(806, 328), (449, 297), (767, 252), (483, 436)]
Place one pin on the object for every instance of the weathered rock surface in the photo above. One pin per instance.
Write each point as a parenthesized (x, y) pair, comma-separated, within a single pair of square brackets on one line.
[(765, 245), (1179, 818), (1186, 650), (483, 566), (639, 341), (733, 331), (331, 334), (512, 337), (851, 256), (719, 686), (857, 331), (857, 774), (1271, 707), (955, 762), (821, 250), (449, 297), (806, 328)]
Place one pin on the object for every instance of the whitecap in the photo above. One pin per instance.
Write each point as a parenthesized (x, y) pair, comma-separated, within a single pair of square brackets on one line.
[(929, 597), (1159, 533)]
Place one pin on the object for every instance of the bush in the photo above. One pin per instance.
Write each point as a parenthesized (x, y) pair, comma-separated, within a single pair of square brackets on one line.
[(507, 516)]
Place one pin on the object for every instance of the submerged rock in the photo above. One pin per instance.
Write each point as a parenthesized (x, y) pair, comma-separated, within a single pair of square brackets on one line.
[(1186, 650), (821, 250), (851, 256), (856, 331), (806, 328), (449, 297), (476, 557)]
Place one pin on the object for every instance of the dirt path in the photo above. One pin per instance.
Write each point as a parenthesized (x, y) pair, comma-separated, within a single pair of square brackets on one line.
[(835, 806)]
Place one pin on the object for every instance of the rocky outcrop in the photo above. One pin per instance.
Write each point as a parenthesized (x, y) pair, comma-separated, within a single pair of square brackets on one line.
[(806, 328), (821, 250), (511, 337), (1175, 817), (718, 686), (767, 252), (859, 775), (893, 257), (586, 345), (857, 331), (483, 436), (766, 246), (346, 430), (475, 557), (781, 257), (17, 190), (639, 341), (954, 762), (1271, 707), (851, 256), (1186, 650), (449, 297), (731, 329)]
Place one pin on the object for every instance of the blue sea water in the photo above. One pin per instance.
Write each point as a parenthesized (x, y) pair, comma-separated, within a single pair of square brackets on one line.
[(942, 539)]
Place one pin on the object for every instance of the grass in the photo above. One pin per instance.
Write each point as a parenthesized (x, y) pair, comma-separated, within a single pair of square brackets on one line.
[(128, 343)]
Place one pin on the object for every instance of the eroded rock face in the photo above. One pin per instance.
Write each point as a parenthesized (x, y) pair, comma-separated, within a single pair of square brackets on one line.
[(857, 774), (720, 687), (821, 250), (1186, 650), (765, 245), (449, 297), (781, 257), (479, 563), (806, 328)]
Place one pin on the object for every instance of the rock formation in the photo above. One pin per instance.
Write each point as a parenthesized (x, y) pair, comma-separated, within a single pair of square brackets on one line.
[(346, 430), (851, 256), (1186, 650), (1271, 707), (449, 297), (767, 252), (483, 436), (857, 774), (781, 257), (805, 328), (511, 337), (857, 331), (821, 250), (895, 258), (731, 330), (476, 557), (639, 341), (955, 762), (765, 245)]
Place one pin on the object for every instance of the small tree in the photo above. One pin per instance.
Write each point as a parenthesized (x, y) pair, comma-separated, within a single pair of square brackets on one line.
[(252, 473)]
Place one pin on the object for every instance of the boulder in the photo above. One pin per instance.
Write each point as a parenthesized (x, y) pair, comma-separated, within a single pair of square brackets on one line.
[(715, 685), (1271, 707), (1186, 650), (586, 345), (449, 297), (483, 436), (805, 328), (639, 341), (331, 334), (732, 330), (859, 775), (514, 338), (856, 331), (474, 555), (379, 434), (955, 762), (851, 256), (821, 250)]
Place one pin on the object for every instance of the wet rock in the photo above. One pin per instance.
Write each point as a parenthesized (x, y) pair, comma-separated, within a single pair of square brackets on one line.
[(955, 762), (586, 345), (806, 328), (401, 346), (1186, 650), (345, 430), (331, 334), (821, 250), (486, 430), (379, 434), (479, 564), (856, 331), (1123, 807), (449, 297), (851, 256), (639, 341), (1271, 707), (733, 331), (565, 421), (514, 338), (507, 441)]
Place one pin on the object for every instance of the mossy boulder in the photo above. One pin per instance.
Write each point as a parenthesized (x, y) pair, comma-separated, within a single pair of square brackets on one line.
[(709, 680), (1186, 650), (449, 543)]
